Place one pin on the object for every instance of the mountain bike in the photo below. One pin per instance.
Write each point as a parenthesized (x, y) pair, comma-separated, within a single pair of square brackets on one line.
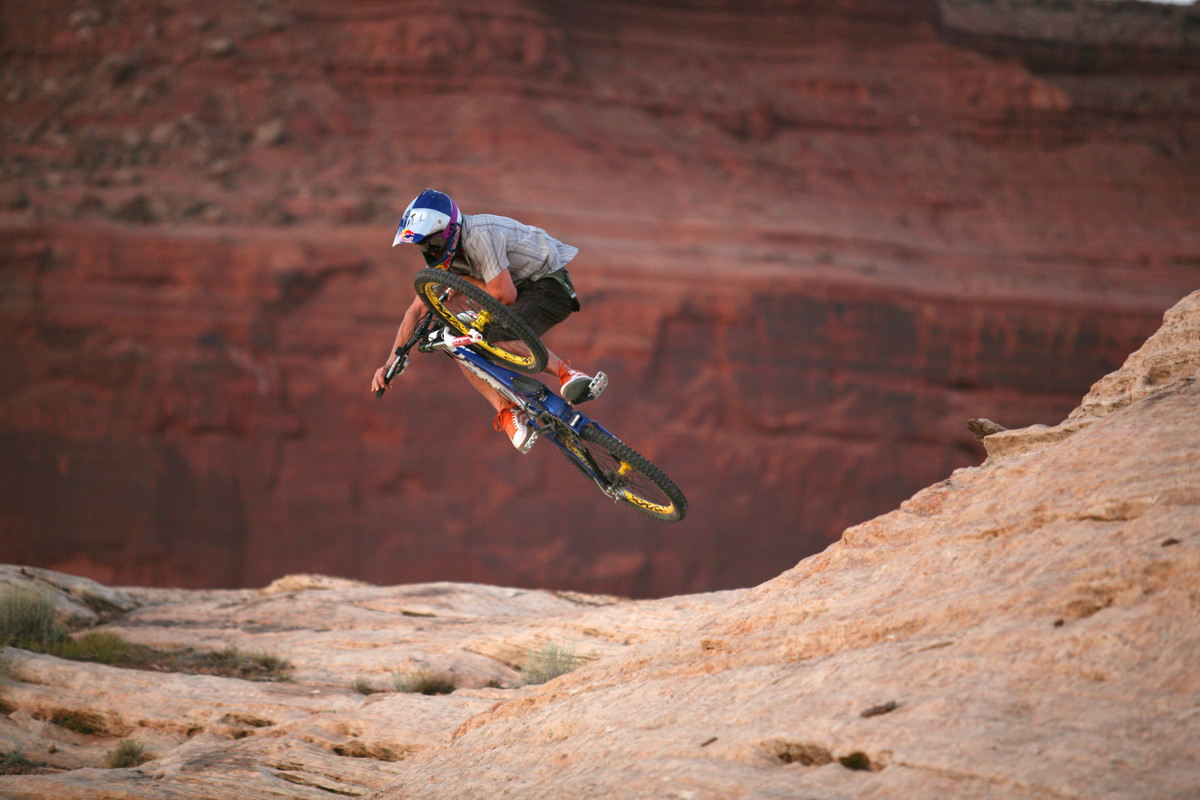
[(478, 331)]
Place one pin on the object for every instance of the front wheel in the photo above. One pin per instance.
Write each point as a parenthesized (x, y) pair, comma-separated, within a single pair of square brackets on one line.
[(625, 475), (507, 340)]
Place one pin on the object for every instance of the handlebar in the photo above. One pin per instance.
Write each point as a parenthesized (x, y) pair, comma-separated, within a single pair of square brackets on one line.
[(401, 360)]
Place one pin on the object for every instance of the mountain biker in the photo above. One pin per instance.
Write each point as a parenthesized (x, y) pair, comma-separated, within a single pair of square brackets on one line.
[(519, 265)]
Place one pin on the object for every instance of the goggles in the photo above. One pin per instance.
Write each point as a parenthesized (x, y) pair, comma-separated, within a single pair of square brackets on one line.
[(433, 246)]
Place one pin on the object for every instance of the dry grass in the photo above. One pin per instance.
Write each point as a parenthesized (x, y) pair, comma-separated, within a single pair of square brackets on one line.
[(129, 753), (364, 686), (14, 762), (424, 682), (549, 662), (27, 622), (27, 618)]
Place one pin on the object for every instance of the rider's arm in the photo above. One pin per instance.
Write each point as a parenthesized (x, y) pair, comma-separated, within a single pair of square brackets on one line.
[(500, 287), (411, 317)]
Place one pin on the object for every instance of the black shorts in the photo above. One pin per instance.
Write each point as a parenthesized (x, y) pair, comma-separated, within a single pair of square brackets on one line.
[(542, 304)]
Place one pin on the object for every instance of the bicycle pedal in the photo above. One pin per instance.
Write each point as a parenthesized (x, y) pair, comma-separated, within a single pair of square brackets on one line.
[(598, 385), (525, 448)]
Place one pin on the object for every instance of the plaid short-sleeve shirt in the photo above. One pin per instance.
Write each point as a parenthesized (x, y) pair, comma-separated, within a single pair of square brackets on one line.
[(492, 244)]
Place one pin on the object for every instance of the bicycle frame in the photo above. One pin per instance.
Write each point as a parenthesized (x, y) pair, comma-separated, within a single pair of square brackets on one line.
[(551, 416)]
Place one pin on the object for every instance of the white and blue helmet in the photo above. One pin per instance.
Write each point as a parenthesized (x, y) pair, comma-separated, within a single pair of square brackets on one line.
[(432, 222)]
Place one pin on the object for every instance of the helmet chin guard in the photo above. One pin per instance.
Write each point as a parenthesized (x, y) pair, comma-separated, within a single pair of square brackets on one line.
[(433, 222)]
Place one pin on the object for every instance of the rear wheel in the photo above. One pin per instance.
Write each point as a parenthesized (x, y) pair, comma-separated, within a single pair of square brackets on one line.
[(625, 474), (507, 340)]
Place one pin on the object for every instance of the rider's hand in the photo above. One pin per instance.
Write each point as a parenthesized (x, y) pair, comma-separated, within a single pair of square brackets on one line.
[(377, 382)]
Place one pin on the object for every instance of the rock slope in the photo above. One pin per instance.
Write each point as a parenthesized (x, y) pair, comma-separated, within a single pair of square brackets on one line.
[(1022, 629)]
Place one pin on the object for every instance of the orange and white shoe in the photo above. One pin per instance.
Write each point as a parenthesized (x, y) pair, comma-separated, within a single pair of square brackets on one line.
[(578, 387), (513, 422)]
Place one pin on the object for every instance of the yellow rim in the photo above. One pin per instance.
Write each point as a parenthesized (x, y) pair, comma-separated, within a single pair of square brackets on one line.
[(630, 497), (646, 504), (482, 320), (642, 502)]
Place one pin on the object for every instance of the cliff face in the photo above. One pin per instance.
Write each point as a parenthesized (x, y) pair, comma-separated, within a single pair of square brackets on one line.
[(1021, 629), (815, 239)]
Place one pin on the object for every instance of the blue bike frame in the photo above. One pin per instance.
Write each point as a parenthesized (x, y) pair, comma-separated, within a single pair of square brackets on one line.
[(550, 415)]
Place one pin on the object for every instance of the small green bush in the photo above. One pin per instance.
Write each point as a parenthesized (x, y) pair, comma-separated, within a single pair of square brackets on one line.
[(548, 663), (270, 663), (27, 619), (231, 662), (102, 647), (27, 622), (424, 681), (363, 686), (129, 753), (14, 762), (86, 722)]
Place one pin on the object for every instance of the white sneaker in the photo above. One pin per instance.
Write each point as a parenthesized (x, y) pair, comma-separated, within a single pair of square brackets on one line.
[(513, 421)]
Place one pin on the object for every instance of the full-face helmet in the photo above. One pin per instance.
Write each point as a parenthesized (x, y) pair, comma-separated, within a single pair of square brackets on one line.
[(432, 222)]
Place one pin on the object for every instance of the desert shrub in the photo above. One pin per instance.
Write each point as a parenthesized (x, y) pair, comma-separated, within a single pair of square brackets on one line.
[(424, 681), (233, 663), (129, 753), (86, 722), (102, 647), (363, 686), (14, 762), (548, 662), (27, 619), (27, 622)]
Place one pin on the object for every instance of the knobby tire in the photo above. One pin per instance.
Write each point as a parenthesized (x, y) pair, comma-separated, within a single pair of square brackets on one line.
[(507, 339), (640, 483)]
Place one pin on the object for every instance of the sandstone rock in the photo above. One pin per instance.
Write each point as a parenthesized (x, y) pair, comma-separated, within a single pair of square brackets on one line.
[(1008, 632), (983, 428), (271, 133), (299, 583), (225, 738), (80, 602), (1169, 358), (85, 17), (219, 46)]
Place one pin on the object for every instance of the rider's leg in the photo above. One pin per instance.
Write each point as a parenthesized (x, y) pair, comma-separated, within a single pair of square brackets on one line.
[(542, 304), (509, 418), (489, 394), (575, 386), (553, 363)]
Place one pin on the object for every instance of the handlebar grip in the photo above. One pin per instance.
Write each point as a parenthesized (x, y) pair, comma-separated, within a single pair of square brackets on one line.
[(395, 369)]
